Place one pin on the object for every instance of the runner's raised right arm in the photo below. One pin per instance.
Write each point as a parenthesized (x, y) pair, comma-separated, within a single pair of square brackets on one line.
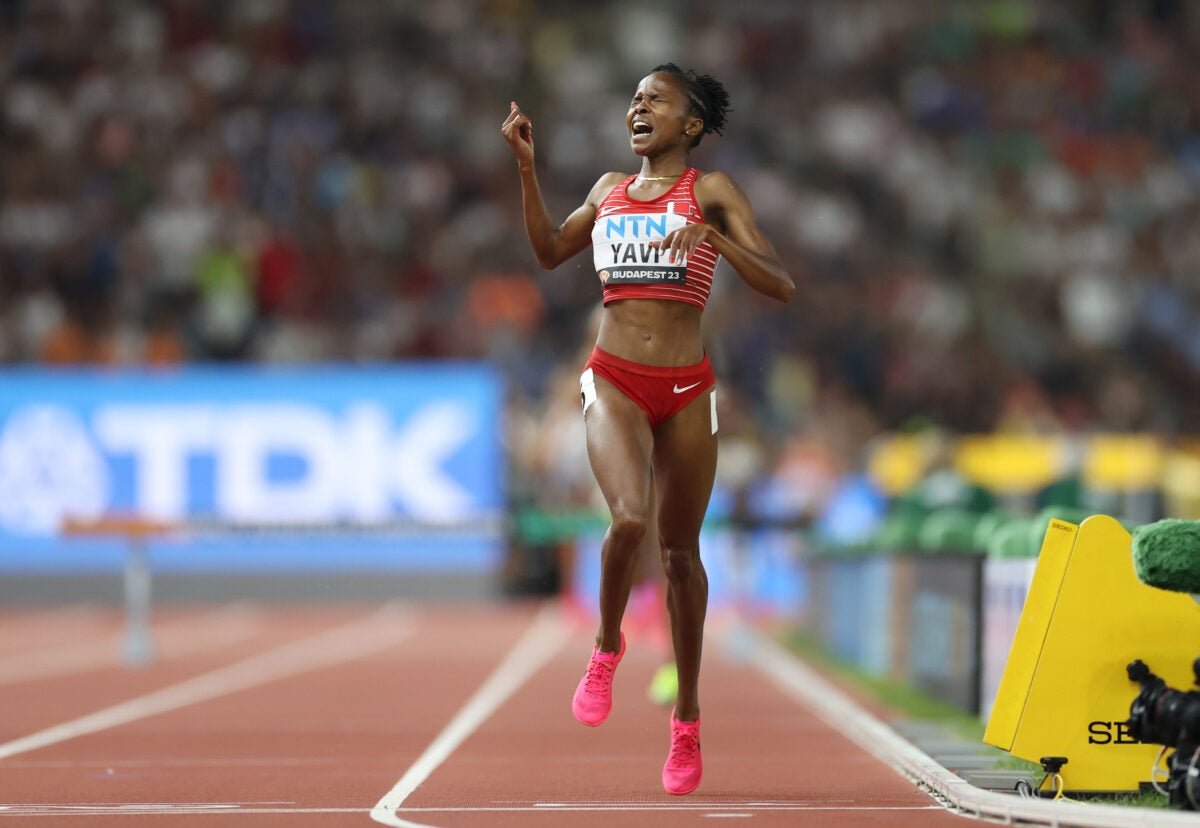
[(552, 245)]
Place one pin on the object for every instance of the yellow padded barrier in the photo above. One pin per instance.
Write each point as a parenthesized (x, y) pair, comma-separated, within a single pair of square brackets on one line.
[(1064, 691)]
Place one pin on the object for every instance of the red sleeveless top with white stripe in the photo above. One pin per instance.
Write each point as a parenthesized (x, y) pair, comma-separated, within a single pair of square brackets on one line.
[(629, 268)]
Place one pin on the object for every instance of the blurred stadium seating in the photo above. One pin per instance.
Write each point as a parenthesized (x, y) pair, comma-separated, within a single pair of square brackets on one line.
[(990, 208)]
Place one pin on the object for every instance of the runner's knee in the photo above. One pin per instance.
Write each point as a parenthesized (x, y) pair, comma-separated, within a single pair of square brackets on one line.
[(628, 529), (682, 563)]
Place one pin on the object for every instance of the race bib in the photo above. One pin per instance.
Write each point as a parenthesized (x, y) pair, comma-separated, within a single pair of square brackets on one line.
[(623, 254)]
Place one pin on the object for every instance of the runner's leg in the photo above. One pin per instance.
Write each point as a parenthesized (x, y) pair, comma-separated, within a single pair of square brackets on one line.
[(619, 448), (685, 464)]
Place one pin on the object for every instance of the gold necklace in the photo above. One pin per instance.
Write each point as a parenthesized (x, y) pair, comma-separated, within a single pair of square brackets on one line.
[(658, 177)]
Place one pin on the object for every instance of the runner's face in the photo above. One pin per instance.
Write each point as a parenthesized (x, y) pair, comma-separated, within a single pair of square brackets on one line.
[(658, 115)]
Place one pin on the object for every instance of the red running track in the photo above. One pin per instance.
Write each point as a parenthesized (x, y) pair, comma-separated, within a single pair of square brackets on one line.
[(430, 715)]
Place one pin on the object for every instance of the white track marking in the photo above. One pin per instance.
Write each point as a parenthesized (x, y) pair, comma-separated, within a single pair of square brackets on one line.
[(174, 808), (539, 644), (21, 629), (128, 764), (832, 706), (378, 631), (693, 806), (185, 636), (166, 809), (957, 795)]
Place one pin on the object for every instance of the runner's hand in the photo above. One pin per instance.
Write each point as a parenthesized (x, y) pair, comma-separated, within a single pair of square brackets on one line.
[(681, 243), (518, 131)]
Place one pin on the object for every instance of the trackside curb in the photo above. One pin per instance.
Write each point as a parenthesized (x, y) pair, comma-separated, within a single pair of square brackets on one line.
[(840, 712)]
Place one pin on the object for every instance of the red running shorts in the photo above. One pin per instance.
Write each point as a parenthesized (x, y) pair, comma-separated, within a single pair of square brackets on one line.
[(660, 391)]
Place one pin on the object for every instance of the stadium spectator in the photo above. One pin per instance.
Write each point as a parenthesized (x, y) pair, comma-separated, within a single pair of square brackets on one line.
[(980, 200)]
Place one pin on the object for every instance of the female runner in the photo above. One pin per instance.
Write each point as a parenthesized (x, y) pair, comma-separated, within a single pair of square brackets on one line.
[(648, 388)]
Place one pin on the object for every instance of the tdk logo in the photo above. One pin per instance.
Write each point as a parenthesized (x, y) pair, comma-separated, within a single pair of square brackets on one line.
[(50, 467), (262, 461)]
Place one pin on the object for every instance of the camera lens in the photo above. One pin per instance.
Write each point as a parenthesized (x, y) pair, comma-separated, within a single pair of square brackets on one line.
[(1162, 715)]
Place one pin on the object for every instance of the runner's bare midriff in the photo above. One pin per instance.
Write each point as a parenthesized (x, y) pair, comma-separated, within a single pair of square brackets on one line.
[(652, 332)]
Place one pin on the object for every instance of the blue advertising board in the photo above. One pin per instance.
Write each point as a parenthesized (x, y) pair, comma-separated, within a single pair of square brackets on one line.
[(311, 445)]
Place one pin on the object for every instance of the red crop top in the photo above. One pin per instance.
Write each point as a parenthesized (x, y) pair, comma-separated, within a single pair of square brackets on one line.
[(629, 268)]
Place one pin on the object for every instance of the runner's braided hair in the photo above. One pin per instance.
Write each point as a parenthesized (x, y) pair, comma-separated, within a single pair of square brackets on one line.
[(707, 96)]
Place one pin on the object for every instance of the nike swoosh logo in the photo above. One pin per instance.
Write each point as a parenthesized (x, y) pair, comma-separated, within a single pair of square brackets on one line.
[(679, 390)]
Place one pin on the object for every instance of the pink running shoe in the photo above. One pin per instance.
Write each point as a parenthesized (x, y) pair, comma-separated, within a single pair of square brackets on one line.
[(681, 774), (593, 696)]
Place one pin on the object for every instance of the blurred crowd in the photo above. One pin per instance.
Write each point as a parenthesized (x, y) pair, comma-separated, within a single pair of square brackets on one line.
[(990, 207)]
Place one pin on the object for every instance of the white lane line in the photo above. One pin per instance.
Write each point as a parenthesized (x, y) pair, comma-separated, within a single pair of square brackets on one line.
[(172, 808), (957, 795), (687, 806), (50, 618), (184, 636), (161, 809), (690, 802), (835, 708), (102, 765), (22, 629), (541, 642), (377, 631)]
